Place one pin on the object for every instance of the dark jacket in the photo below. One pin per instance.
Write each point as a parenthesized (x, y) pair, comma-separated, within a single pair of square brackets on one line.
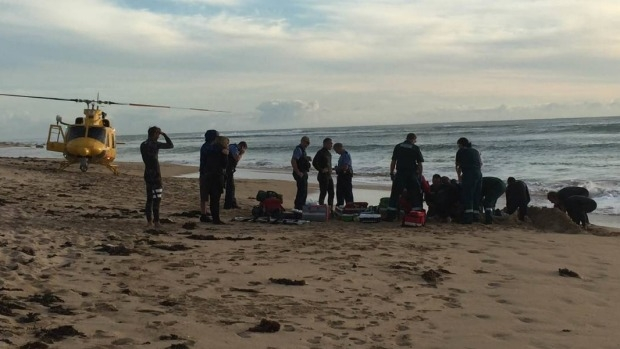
[(323, 160), (150, 155)]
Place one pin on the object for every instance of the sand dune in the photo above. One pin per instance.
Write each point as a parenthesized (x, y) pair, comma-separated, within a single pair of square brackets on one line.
[(79, 269)]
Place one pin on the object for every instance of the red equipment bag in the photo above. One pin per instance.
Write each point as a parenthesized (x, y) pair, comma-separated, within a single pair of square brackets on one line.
[(414, 219)]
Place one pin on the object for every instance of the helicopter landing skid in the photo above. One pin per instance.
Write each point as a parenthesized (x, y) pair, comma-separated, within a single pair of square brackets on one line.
[(113, 168)]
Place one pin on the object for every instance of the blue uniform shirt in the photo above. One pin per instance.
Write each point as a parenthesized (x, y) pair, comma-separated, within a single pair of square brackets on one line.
[(345, 160)]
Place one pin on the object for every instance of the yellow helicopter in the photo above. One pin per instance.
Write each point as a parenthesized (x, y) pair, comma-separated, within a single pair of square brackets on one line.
[(91, 138)]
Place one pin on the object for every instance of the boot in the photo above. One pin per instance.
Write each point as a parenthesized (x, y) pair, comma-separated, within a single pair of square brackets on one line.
[(488, 217)]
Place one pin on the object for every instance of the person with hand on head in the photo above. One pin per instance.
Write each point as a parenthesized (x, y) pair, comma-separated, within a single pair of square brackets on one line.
[(149, 149), (235, 153), (300, 162)]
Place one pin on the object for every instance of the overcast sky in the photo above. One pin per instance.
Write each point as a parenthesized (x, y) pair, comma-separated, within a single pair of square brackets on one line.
[(290, 64)]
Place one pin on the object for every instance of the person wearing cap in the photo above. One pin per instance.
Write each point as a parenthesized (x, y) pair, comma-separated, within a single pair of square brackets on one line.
[(300, 162), (235, 152), (405, 171)]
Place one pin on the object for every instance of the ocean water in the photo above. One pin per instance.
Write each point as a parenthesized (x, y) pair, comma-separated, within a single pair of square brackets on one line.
[(546, 154)]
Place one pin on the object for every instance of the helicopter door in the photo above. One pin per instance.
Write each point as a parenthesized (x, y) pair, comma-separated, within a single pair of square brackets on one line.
[(56, 139)]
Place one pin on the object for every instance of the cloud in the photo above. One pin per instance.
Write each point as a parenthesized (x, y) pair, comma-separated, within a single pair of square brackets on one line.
[(290, 113)]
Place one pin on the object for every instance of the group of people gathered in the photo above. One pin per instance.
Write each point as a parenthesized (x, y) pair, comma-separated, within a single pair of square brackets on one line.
[(462, 198), (218, 163)]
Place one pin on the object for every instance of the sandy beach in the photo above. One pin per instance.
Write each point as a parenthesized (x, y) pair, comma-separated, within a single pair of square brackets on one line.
[(80, 269)]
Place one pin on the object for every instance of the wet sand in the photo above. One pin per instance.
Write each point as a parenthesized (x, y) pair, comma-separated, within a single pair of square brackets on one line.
[(80, 270)]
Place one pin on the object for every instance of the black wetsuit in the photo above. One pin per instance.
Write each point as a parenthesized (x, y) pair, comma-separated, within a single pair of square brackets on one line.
[(303, 165), (152, 176), (323, 161), (517, 197), (578, 208), (408, 157)]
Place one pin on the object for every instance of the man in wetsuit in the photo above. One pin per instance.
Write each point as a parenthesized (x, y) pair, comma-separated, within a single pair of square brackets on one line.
[(492, 189), (322, 162), (344, 172), (517, 197), (407, 162), (235, 152), (152, 174), (468, 170), (300, 162)]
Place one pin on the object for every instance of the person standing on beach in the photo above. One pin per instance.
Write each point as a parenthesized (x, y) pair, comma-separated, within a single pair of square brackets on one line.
[(322, 162), (235, 152), (215, 161), (468, 169), (407, 162), (344, 173), (301, 165), (492, 189), (517, 197), (152, 173), (205, 215)]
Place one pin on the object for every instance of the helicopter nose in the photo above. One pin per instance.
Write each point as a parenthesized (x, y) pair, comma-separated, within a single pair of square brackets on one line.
[(84, 147)]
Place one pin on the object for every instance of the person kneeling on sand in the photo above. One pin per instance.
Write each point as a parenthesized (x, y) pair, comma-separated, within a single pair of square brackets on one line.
[(517, 197)]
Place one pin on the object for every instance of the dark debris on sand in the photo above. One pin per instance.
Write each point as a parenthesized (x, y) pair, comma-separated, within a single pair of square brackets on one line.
[(34, 345), (288, 282), (172, 247), (171, 337), (189, 225), (45, 298), (28, 318), (112, 250), (568, 273), (178, 346), (57, 334), (432, 277), (188, 214), (266, 326)]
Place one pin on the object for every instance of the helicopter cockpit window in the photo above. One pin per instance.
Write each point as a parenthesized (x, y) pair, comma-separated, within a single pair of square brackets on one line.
[(97, 133), (75, 132)]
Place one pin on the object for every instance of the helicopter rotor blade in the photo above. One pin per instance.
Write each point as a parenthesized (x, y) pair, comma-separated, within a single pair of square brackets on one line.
[(162, 106), (97, 101), (38, 97)]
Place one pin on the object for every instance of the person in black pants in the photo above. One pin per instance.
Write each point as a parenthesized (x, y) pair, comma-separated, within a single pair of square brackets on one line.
[(215, 161), (578, 207), (322, 162), (560, 197), (468, 170), (492, 189), (344, 172), (407, 162), (300, 162), (517, 197), (152, 174), (235, 152)]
